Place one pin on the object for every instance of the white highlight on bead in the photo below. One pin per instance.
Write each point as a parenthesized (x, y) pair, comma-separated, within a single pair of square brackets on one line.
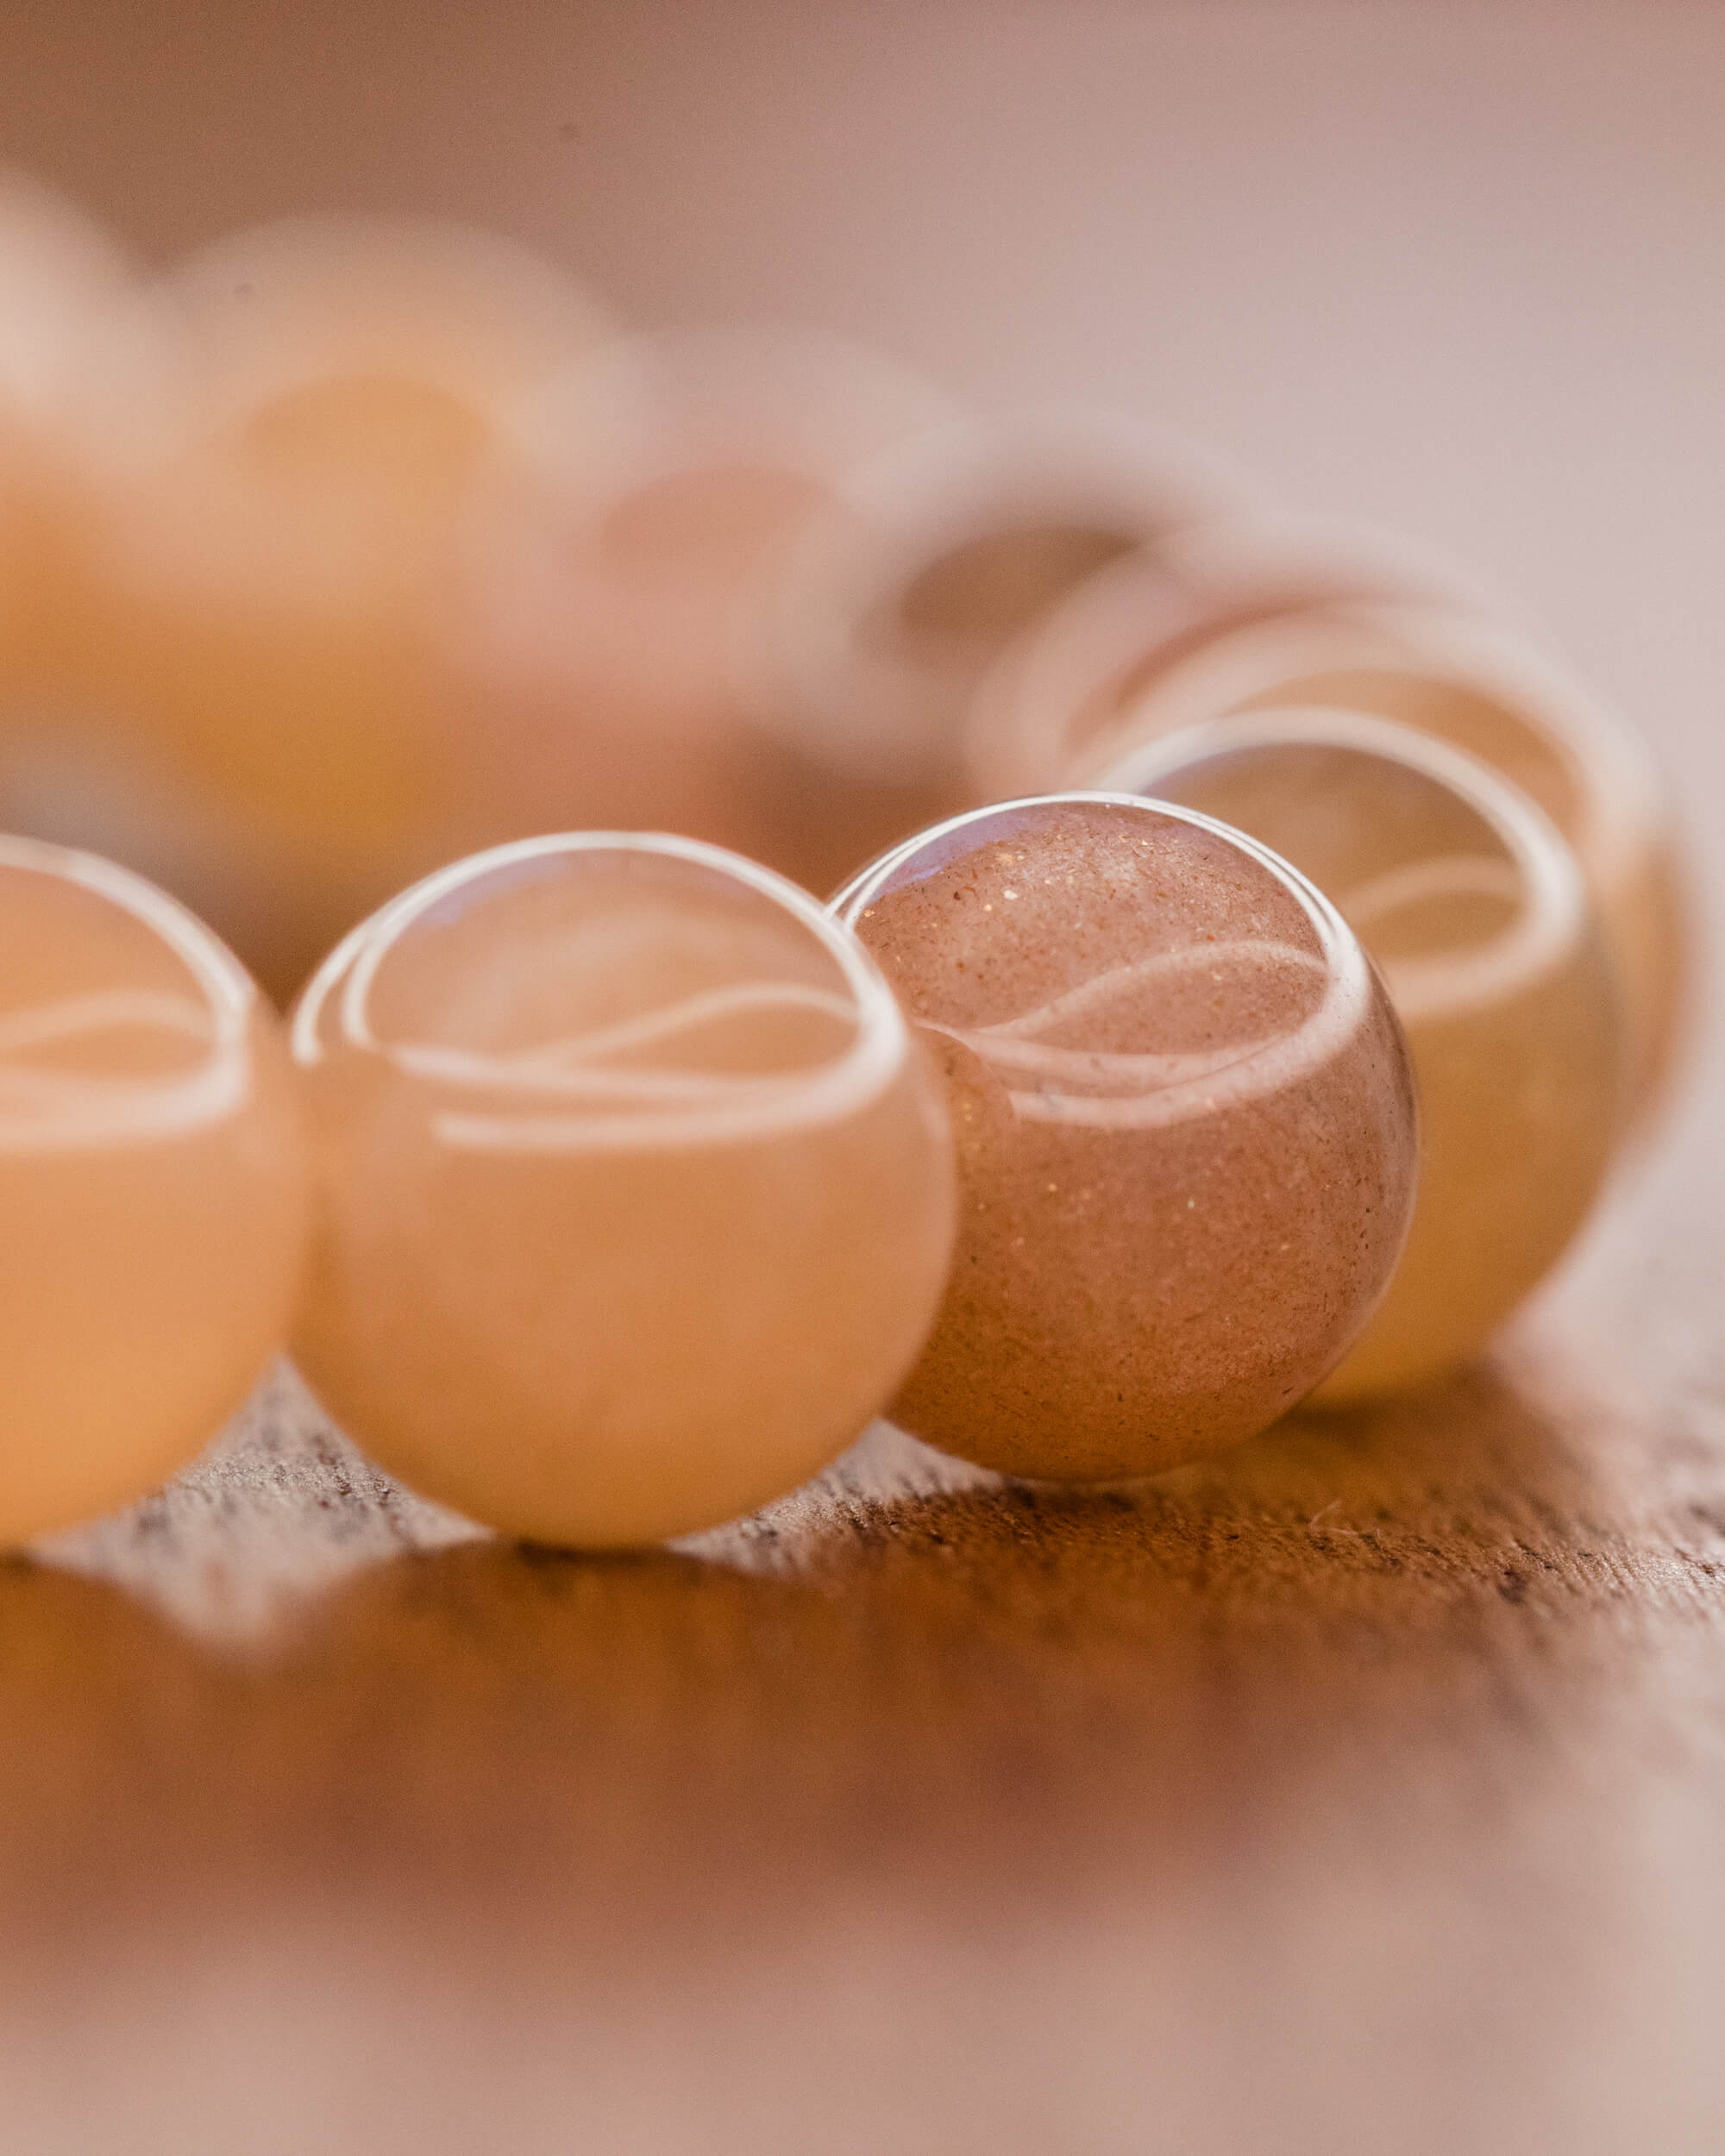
[(621, 1109), (1537, 874), (1147, 1090), (45, 1109)]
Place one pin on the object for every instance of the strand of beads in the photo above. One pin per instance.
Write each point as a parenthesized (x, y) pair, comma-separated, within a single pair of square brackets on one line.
[(633, 1196), (1080, 1129)]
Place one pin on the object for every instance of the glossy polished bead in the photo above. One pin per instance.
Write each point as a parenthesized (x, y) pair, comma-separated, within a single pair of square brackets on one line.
[(153, 1187), (309, 412), (1487, 691), (1185, 1122), (635, 1199), (1476, 915)]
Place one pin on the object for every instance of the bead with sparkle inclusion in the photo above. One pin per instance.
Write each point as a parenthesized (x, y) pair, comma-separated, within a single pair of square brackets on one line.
[(1185, 1130), (1479, 918), (153, 1187), (636, 1196)]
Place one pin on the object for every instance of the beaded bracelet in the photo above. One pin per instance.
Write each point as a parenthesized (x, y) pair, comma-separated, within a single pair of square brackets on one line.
[(633, 1198), (611, 1184)]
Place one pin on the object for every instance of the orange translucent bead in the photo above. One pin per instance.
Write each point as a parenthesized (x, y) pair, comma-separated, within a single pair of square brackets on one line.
[(1185, 1123), (153, 1187), (635, 1199), (1478, 917), (310, 413), (1485, 691)]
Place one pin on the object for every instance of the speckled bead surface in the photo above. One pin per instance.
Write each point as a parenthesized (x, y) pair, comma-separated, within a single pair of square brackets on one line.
[(1186, 1130), (635, 1197), (153, 1187), (1479, 921)]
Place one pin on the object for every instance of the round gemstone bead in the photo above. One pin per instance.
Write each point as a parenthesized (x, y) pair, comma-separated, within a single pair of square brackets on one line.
[(1478, 917), (635, 1199), (1185, 1121), (153, 1187), (310, 414), (1487, 691)]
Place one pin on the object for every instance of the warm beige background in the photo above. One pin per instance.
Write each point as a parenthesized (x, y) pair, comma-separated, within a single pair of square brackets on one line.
[(1459, 268), (1369, 1796)]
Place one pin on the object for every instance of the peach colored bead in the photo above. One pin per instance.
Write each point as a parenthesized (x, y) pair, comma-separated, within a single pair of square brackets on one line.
[(1186, 1130), (1487, 691), (309, 414), (635, 1199), (153, 1187), (1476, 915)]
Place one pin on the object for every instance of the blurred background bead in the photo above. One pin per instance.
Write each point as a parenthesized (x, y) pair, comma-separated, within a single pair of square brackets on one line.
[(289, 431), (153, 1187), (1476, 915), (659, 483), (890, 606), (1186, 1130), (635, 1199), (1488, 692), (1059, 698)]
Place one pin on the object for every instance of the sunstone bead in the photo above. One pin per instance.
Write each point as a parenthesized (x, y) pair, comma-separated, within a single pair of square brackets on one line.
[(635, 1196), (1479, 920), (1186, 1130), (153, 1187)]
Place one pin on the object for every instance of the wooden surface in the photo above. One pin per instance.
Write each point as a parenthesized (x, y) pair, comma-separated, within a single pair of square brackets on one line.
[(1364, 1792)]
